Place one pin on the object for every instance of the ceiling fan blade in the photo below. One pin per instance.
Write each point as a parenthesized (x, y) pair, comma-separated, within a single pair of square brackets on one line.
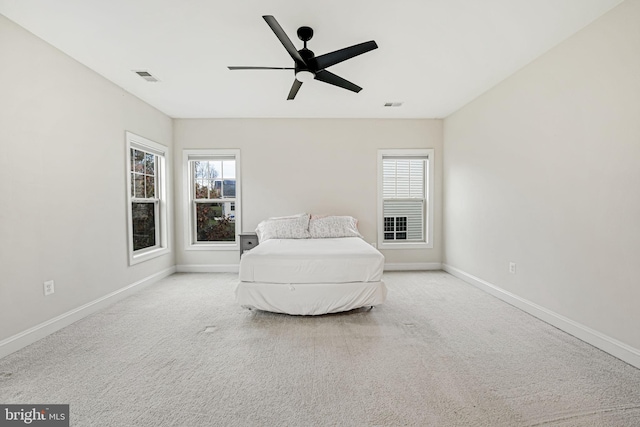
[(332, 58), (284, 39), (332, 79), (294, 89), (260, 68)]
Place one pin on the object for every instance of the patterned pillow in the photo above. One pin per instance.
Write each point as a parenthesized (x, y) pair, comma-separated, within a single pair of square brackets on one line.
[(321, 227), (285, 227)]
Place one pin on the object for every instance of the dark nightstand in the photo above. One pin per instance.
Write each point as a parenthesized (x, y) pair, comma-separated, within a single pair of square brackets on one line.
[(247, 241)]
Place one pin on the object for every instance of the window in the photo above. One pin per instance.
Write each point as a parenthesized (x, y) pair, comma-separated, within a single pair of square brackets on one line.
[(405, 185), (212, 177), (146, 198)]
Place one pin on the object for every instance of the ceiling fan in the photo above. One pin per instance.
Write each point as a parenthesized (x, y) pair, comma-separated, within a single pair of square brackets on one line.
[(307, 66)]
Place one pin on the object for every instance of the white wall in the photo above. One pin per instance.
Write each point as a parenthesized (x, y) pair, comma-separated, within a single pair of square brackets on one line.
[(544, 170), (62, 181), (317, 166)]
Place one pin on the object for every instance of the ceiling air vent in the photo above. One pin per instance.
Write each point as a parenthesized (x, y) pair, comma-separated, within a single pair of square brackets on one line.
[(146, 75), (393, 104)]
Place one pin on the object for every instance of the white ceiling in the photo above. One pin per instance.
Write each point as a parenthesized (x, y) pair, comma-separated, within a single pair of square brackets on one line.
[(434, 56)]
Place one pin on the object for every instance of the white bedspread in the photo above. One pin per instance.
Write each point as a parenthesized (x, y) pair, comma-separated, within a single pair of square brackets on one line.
[(311, 298), (339, 260)]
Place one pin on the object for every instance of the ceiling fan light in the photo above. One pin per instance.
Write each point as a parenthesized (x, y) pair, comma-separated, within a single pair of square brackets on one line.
[(304, 76)]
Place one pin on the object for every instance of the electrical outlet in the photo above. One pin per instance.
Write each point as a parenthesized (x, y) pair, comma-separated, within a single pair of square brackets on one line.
[(512, 267), (49, 287), (374, 244)]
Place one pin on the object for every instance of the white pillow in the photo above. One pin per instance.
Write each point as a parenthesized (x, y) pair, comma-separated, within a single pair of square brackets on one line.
[(322, 227), (284, 227)]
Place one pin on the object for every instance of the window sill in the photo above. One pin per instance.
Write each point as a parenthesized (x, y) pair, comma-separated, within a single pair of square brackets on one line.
[(417, 245), (147, 255), (213, 247)]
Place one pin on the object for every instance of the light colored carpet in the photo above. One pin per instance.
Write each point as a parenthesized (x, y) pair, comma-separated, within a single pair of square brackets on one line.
[(438, 353)]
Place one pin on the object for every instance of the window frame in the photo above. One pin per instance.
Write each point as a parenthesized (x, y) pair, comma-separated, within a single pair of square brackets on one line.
[(428, 220), (188, 207), (161, 153)]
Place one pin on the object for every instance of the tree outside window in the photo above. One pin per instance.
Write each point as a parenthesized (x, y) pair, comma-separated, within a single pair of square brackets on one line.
[(214, 198)]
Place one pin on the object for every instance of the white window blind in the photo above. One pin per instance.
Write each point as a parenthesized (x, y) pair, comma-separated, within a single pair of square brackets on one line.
[(403, 178), (404, 197)]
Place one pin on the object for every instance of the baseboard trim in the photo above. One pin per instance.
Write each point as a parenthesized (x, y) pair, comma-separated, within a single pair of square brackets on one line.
[(208, 268), (412, 266), (610, 345), (31, 335)]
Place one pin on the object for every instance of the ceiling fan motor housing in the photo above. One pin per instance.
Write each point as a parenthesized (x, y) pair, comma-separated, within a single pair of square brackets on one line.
[(309, 59), (305, 34)]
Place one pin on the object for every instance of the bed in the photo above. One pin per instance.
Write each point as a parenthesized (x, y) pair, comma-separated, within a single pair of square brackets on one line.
[(306, 265)]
